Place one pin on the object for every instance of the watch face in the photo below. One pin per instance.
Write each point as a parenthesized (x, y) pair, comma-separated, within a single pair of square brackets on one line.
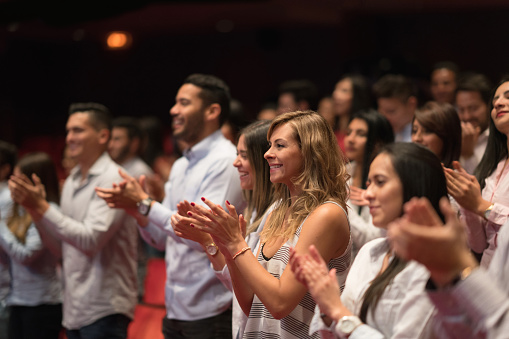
[(348, 326), (144, 207), (212, 249)]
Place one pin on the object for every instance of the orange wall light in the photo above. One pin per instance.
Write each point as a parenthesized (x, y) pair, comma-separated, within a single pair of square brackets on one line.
[(119, 40)]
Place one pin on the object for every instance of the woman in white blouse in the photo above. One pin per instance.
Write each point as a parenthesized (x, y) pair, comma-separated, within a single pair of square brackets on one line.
[(384, 295)]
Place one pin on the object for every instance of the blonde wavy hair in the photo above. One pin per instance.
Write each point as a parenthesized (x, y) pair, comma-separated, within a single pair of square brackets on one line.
[(323, 178)]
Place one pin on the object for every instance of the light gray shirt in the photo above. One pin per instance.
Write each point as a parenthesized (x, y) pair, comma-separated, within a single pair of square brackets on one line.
[(136, 167), (99, 248), (35, 277)]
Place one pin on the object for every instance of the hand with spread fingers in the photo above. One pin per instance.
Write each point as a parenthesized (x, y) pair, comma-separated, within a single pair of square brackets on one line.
[(421, 235), (30, 195), (125, 194), (311, 270), (357, 196), (225, 227), (465, 189)]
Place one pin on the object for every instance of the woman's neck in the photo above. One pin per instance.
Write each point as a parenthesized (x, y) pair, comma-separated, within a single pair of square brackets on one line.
[(357, 175)]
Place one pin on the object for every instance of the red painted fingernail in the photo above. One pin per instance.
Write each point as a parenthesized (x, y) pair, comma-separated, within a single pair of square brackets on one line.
[(193, 204), (202, 199), (191, 225), (227, 202), (190, 214)]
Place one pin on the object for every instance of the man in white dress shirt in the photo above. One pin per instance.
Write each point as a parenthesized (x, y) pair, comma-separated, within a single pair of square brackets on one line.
[(198, 305)]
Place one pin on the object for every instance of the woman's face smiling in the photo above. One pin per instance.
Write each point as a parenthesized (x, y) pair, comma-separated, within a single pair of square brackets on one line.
[(500, 111), (384, 191), (284, 156), (247, 178)]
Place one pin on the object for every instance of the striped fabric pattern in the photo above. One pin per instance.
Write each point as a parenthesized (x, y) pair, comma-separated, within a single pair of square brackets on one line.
[(261, 324)]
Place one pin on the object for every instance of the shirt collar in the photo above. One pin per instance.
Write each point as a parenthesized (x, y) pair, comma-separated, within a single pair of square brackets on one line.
[(97, 168), (203, 147)]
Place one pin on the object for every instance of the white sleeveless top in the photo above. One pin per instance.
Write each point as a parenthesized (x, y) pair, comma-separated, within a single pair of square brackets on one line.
[(261, 324)]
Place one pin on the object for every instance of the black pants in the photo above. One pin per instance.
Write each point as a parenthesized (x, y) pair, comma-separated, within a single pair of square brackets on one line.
[(217, 327), (35, 322)]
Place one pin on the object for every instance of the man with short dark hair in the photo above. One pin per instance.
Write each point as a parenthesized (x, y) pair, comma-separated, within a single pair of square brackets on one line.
[(444, 80), (98, 243), (297, 95), (124, 147), (198, 305), (397, 101), (473, 101)]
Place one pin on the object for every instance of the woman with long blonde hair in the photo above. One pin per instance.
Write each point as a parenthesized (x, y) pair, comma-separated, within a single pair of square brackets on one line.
[(310, 189)]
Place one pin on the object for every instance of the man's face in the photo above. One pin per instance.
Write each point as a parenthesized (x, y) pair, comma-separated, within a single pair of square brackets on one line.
[(84, 142), (443, 85), (398, 112), (119, 144), (472, 109), (286, 103), (188, 114)]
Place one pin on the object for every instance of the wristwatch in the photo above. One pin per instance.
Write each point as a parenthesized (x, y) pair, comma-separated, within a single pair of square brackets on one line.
[(488, 211), (347, 325), (212, 249), (144, 206)]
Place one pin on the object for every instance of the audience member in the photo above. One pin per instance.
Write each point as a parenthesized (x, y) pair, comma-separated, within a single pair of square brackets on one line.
[(444, 78), (472, 101), (471, 302), (258, 192), (267, 112), (8, 156), (98, 243), (397, 101), (326, 110), (35, 298), (125, 144), (235, 122), (367, 133), (310, 184), (383, 295), (484, 198), (203, 308), (124, 148), (437, 127), (297, 95), (351, 94)]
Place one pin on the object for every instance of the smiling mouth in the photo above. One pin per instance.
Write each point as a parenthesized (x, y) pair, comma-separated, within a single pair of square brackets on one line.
[(243, 174), (275, 166)]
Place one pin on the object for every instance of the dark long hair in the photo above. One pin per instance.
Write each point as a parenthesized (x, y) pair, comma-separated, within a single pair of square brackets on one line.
[(260, 198), (421, 175), (380, 133), (496, 149), (442, 119), (362, 98)]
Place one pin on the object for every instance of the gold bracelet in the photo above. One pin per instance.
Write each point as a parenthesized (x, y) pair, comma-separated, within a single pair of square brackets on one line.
[(240, 252)]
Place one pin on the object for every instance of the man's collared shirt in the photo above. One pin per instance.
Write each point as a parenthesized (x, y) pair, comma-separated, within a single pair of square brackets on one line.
[(206, 170), (98, 250)]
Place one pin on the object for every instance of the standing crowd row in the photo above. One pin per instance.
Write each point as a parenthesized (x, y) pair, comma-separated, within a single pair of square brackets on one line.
[(358, 223)]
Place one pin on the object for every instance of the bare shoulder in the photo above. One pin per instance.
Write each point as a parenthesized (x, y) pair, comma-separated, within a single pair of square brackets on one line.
[(328, 216)]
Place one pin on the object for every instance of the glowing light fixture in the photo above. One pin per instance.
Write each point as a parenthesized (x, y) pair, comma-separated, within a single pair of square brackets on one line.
[(119, 40)]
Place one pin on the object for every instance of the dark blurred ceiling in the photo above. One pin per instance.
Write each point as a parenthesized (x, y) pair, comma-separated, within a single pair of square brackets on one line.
[(59, 19)]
